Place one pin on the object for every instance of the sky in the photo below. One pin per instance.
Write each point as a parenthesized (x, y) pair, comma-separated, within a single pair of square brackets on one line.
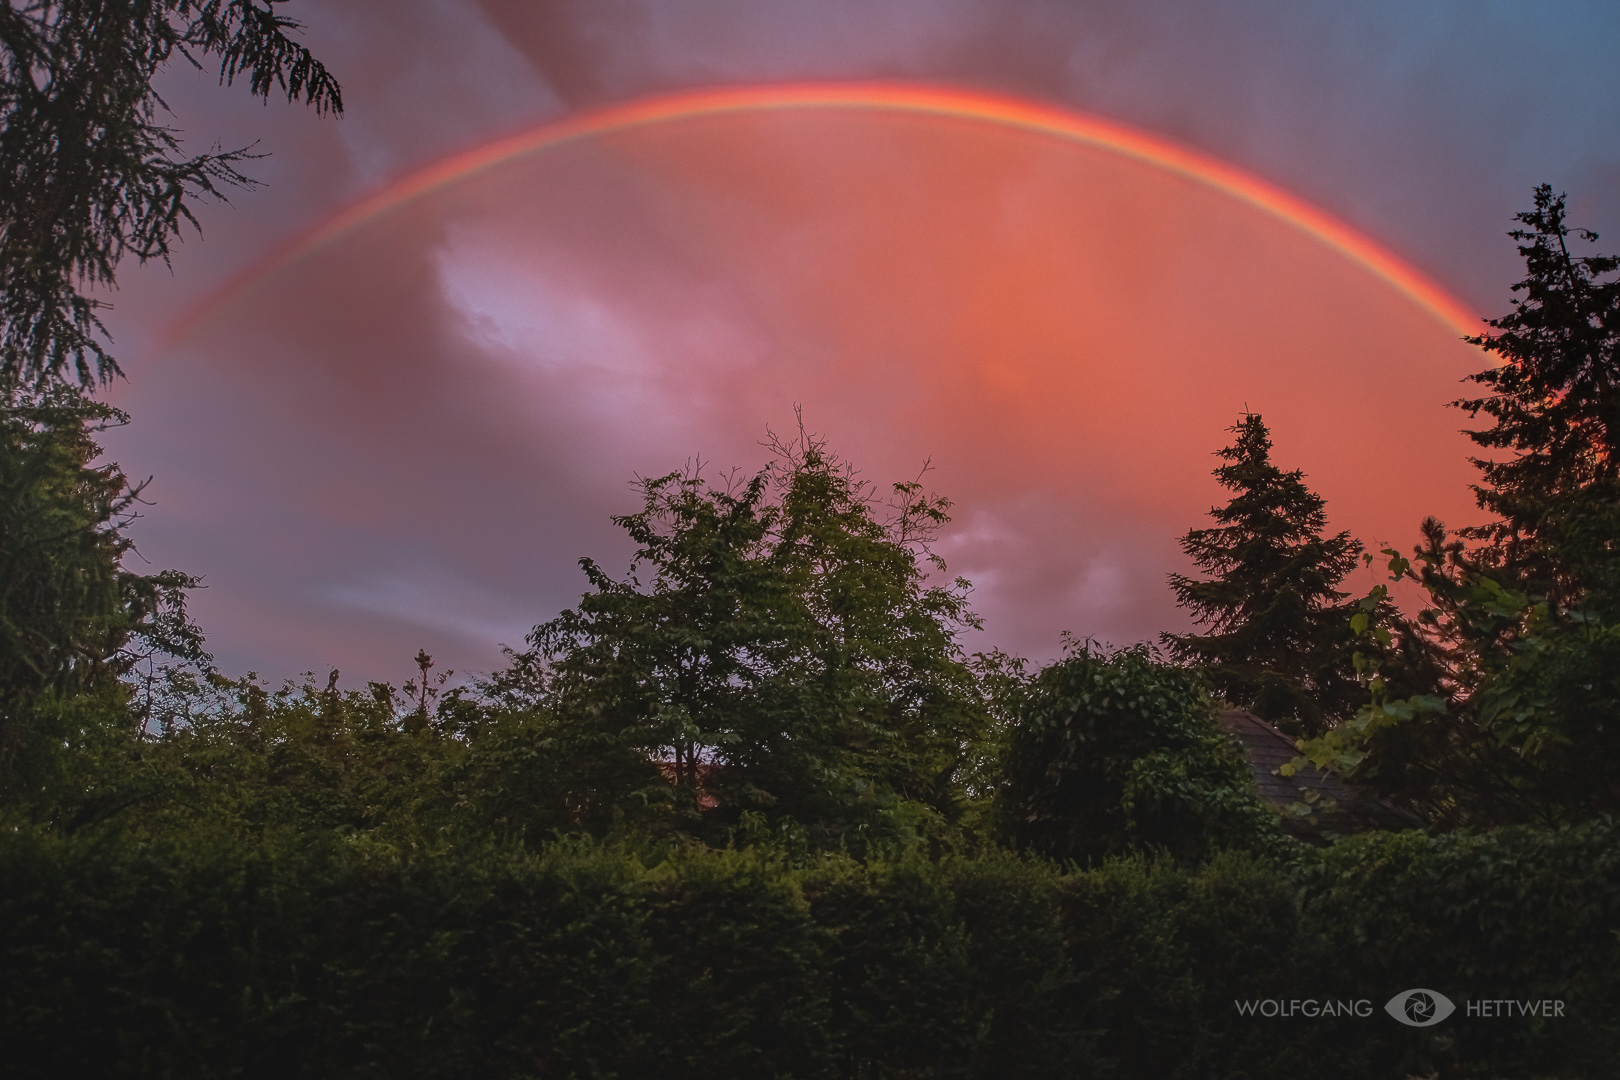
[(406, 434)]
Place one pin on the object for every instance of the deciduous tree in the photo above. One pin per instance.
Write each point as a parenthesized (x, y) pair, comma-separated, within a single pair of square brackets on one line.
[(779, 646)]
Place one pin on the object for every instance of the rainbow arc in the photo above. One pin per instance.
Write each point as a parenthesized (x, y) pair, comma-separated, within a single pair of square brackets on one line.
[(964, 105)]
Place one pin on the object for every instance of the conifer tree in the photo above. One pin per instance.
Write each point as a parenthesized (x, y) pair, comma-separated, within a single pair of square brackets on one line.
[(1276, 634), (91, 176), (1555, 400), (73, 619), (1518, 719)]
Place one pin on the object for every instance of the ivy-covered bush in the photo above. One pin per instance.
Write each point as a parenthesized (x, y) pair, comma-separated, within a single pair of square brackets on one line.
[(1115, 753)]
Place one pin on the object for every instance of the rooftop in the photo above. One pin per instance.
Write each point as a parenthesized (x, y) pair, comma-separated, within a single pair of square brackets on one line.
[(1337, 806)]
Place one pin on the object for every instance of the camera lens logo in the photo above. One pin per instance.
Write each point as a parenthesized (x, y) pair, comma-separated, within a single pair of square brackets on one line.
[(1420, 1008)]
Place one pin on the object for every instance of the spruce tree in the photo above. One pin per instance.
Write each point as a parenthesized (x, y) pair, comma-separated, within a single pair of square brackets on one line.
[(1522, 721), (1555, 400), (1276, 627), (90, 174)]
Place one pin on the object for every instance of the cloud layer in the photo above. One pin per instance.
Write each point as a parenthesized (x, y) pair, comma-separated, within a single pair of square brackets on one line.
[(408, 439)]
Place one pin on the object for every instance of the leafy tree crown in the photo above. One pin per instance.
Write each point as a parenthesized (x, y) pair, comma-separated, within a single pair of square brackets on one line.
[(779, 645)]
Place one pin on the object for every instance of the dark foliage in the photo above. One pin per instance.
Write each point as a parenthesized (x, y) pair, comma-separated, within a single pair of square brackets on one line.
[(73, 621), (1520, 913), (205, 953), (1519, 719), (1504, 705)]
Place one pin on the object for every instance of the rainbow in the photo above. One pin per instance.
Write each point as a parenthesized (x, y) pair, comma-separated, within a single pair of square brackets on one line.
[(966, 105)]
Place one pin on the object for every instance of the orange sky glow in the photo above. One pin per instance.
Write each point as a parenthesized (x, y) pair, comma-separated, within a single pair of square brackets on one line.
[(1065, 329)]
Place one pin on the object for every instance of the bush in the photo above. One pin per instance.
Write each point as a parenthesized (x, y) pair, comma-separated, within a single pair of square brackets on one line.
[(1116, 753)]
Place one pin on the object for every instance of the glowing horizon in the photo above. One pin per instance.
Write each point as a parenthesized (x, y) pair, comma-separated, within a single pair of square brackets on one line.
[(965, 105)]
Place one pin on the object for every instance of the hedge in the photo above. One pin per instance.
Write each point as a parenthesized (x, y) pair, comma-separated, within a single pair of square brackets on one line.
[(279, 955)]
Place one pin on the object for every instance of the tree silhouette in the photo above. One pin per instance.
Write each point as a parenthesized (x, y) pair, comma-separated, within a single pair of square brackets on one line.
[(1277, 635), (1555, 403), (89, 174)]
